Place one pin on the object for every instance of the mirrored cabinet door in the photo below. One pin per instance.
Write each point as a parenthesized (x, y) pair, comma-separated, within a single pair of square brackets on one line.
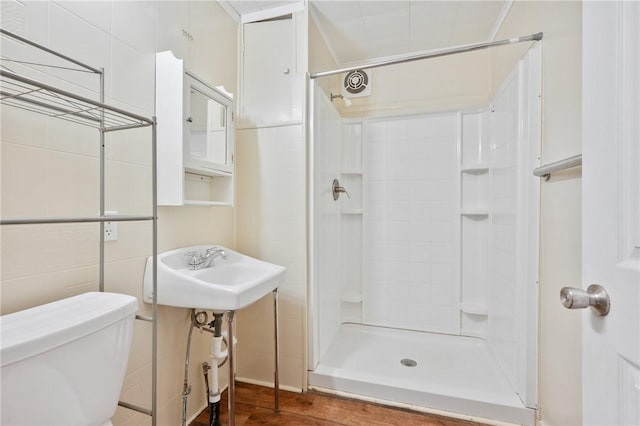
[(208, 137)]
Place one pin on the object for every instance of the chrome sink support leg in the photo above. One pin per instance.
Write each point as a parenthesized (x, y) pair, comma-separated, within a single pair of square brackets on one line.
[(231, 391), (276, 375)]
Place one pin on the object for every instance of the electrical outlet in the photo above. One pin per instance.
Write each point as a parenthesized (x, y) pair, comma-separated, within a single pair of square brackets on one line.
[(110, 228)]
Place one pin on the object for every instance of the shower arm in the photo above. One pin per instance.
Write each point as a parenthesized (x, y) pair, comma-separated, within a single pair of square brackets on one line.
[(430, 54)]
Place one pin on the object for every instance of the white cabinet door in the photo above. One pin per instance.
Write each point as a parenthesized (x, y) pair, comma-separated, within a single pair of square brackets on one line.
[(611, 210), (268, 73)]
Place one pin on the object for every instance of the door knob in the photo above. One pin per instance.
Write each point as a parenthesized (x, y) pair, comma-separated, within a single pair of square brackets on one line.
[(595, 297)]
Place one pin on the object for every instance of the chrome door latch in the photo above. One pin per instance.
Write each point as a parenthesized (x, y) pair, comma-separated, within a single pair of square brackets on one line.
[(595, 298)]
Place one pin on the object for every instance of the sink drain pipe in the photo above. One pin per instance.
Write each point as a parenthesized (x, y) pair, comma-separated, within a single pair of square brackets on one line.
[(215, 356), (218, 358)]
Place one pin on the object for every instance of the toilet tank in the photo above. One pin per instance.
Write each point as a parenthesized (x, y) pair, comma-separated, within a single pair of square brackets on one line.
[(63, 363)]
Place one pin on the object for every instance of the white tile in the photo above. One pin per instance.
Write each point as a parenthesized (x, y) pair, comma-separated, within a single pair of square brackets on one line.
[(398, 130), (377, 231), (420, 291), (398, 149), (399, 231), (442, 190), (377, 150), (12, 16), (398, 210), (419, 190), (378, 190), (441, 170), (377, 211), (134, 24), (73, 36), (443, 149), (420, 169), (441, 231), (97, 13), (128, 188), (37, 21), (71, 185), (419, 149), (418, 211), (398, 190), (377, 170), (419, 251), (398, 170), (377, 131), (419, 231), (133, 77), (22, 127), (442, 252), (442, 274)]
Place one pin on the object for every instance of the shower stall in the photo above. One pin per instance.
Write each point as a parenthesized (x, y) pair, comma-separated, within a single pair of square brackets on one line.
[(424, 262)]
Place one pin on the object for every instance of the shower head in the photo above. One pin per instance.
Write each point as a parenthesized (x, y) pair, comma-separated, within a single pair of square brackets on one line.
[(347, 101)]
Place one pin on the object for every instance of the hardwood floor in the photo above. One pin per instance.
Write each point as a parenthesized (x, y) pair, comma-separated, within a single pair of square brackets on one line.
[(254, 406)]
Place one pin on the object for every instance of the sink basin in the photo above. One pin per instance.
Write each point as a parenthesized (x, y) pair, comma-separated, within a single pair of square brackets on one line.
[(230, 284)]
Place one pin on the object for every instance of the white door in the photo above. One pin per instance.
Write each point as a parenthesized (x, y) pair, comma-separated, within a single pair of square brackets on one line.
[(611, 210)]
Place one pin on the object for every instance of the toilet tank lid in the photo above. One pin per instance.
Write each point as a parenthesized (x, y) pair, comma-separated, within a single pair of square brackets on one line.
[(39, 329)]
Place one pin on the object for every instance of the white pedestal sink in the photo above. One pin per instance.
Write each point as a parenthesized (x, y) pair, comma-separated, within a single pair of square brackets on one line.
[(228, 284)]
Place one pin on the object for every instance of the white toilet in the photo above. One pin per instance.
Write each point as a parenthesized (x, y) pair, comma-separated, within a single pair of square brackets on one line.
[(63, 363)]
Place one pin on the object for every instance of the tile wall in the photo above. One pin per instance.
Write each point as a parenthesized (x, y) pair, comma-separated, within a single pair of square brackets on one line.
[(411, 197), (50, 168), (271, 225)]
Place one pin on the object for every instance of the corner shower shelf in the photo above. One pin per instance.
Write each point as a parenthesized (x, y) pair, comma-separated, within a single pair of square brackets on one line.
[(474, 212), (477, 169), (474, 309), (351, 297)]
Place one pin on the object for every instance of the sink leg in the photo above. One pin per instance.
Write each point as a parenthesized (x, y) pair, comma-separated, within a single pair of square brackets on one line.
[(276, 375), (232, 385)]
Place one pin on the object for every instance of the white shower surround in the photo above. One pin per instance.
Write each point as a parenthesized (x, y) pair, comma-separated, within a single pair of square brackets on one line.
[(410, 232), (457, 237)]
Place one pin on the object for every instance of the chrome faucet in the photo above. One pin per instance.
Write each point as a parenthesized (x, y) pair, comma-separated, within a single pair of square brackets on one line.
[(212, 254), (202, 261)]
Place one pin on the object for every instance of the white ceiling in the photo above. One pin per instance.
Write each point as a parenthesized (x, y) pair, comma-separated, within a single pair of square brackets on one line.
[(358, 31)]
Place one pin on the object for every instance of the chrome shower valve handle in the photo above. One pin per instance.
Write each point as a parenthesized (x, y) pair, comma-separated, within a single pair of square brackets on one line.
[(337, 190)]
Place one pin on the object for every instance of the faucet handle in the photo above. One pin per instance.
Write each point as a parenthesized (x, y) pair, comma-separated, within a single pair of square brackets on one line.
[(194, 257)]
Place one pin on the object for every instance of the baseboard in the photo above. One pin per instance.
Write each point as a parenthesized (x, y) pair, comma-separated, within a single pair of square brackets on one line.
[(267, 384), (200, 410)]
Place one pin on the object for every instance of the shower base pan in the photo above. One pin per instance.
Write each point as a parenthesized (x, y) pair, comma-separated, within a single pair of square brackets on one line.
[(454, 374)]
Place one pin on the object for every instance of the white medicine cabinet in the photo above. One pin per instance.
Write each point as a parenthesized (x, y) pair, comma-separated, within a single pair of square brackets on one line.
[(195, 137)]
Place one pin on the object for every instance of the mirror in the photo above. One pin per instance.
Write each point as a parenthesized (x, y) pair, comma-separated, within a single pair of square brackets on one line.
[(208, 127)]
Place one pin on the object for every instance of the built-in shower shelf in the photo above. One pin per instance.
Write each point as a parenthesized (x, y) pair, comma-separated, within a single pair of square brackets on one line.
[(474, 212), (351, 297), (474, 308), (351, 211), (351, 172), (476, 169)]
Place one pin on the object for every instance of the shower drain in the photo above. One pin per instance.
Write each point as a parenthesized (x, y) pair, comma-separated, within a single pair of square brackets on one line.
[(408, 362)]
